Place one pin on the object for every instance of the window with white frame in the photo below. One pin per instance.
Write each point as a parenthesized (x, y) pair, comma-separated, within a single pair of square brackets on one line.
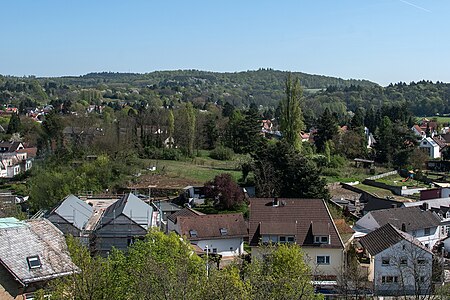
[(389, 279), (323, 260), (321, 239)]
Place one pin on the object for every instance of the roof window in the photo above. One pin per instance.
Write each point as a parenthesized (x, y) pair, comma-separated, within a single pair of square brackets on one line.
[(193, 233), (34, 262), (223, 231)]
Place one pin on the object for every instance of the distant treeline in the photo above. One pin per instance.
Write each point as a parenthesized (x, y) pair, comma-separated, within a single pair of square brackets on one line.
[(264, 87)]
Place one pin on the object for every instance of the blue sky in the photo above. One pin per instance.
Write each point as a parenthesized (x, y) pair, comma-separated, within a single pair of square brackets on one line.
[(380, 40)]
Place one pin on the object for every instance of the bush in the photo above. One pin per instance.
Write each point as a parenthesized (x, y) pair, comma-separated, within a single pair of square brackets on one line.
[(330, 172), (221, 153), (162, 153), (337, 161)]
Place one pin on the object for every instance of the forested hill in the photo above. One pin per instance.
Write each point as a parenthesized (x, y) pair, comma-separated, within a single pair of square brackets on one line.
[(260, 79), (264, 87)]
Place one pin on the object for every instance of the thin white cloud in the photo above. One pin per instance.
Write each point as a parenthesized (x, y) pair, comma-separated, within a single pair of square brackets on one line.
[(416, 6)]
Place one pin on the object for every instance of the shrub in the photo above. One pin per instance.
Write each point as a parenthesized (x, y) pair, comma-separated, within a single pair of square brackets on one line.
[(221, 153), (162, 153), (337, 161)]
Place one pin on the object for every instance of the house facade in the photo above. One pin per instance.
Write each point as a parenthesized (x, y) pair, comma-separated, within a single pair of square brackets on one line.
[(432, 146), (305, 222), (221, 234), (32, 253), (121, 224), (399, 264), (71, 216), (15, 159)]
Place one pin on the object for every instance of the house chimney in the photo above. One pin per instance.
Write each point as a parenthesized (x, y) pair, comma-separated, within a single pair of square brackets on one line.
[(425, 206), (403, 227)]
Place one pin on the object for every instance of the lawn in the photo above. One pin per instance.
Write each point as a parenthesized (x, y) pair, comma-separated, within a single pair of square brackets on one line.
[(382, 193), (170, 173), (349, 173), (397, 180), (438, 118)]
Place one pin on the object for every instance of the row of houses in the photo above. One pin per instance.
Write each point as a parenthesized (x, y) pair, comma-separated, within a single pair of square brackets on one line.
[(398, 244)]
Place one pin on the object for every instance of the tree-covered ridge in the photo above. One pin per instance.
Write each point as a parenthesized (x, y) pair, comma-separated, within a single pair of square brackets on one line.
[(262, 87)]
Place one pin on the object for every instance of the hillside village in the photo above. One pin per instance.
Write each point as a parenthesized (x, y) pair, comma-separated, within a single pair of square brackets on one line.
[(365, 198)]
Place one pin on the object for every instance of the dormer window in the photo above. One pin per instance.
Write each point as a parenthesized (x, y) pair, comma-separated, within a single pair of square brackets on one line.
[(193, 233), (34, 262), (321, 239), (223, 231)]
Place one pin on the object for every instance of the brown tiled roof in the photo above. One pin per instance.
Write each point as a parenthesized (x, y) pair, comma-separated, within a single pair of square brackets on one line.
[(209, 226), (185, 212), (292, 216), (31, 152), (441, 143), (385, 237)]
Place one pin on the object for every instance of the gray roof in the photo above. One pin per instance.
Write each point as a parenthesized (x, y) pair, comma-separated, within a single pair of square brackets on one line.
[(130, 206), (385, 237), (74, 211), (413, 217), (34, 238)]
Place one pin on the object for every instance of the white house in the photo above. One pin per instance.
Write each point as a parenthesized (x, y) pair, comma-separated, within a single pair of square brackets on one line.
[(419, 132), (432, 146), (399, 264), (221, 234), (424, 225), (305, 222)]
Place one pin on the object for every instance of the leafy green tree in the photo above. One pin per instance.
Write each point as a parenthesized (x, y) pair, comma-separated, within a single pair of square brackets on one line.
[(164, 267), (291, 121), (226, 284), (243, 132), (211, 132), (171, 127), (280, 170), (385, 138), (357, 119), (14, 124), (327, 128), (190, 113), (228, 109), (280, 274)]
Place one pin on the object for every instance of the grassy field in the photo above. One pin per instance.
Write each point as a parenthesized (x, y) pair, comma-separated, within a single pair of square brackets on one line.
[(349, 173), (198, 170), (176, 174), (438, 118), (397, 180), (382, 193)]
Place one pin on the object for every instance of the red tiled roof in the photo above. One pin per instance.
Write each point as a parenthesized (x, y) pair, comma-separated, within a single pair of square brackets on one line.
[(31, 152), (292, 216)]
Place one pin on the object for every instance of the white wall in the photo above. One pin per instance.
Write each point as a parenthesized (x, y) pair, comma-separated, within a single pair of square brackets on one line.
[(431, 239), (311, 253), (368, 222), (225, 247), (336, 260), (405, 273)]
